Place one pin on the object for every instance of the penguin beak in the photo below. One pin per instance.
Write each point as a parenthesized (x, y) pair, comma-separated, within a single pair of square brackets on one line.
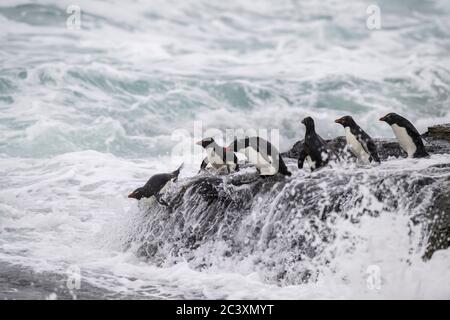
[(132, 195), (383, 118), (338, 120), (199, 143)]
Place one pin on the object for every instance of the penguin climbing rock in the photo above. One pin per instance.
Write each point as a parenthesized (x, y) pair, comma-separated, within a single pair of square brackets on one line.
[(155, 185), (262, 154), (360, 143), (407, 135), (218, 157), (315, 149)]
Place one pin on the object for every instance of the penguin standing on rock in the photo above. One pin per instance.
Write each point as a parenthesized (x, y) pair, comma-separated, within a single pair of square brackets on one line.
[(360, 143), (155, 185), (315, 149), (262, 154), (218, 157), (407, 135)]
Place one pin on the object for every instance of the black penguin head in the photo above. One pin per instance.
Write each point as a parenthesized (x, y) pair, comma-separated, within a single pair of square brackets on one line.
[(205, 142), (346, 121), (137, 194), (309, 123), (392, 118)]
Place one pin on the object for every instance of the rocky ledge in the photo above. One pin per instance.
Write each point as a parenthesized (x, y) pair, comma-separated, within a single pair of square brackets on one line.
[(286, 225)]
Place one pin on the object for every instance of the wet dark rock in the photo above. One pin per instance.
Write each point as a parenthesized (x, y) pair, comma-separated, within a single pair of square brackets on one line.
[(439, 216), (284, 225), (441, 132), (437, 141)]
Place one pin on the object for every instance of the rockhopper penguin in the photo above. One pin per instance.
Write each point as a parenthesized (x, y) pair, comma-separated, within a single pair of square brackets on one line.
[(315, 149), (155, 185), (262, 154), (218, 157), (407, 135), (360, 143)]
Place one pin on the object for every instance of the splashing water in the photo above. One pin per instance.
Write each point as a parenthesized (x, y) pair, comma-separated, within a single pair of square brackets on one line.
[(87, 115)]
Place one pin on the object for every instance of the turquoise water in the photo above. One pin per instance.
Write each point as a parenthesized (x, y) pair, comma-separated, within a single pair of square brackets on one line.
[(87, 115)]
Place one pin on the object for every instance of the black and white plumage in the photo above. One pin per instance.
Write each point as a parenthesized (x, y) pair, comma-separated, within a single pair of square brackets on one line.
[(360, 143), (315, 149), (407, 135), (155, 185), (262, 154), (218, 157)]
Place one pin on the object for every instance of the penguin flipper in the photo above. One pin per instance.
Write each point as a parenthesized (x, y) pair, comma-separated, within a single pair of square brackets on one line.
[(371, 146), (236, 161), (205, 162), (322, 140), (264, 148), (417, 139)]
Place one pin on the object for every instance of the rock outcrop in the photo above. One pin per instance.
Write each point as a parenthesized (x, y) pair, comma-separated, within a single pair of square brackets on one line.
[(439, 132), (286, 226)]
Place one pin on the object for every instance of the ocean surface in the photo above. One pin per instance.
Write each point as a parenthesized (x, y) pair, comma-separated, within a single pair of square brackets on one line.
[(88, 114)]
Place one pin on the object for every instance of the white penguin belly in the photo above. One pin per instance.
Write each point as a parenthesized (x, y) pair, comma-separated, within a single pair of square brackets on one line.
[(255, 157), (310, 162), (355, 146), (404, 139), (214, 159)]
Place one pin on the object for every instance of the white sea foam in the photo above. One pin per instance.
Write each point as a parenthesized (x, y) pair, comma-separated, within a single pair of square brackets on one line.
[(87, 115)]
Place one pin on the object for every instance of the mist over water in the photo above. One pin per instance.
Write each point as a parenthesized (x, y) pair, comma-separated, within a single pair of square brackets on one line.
[(87, 115)]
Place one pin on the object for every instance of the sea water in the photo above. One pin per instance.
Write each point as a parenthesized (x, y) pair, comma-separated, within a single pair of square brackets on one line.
[(91, 95)]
